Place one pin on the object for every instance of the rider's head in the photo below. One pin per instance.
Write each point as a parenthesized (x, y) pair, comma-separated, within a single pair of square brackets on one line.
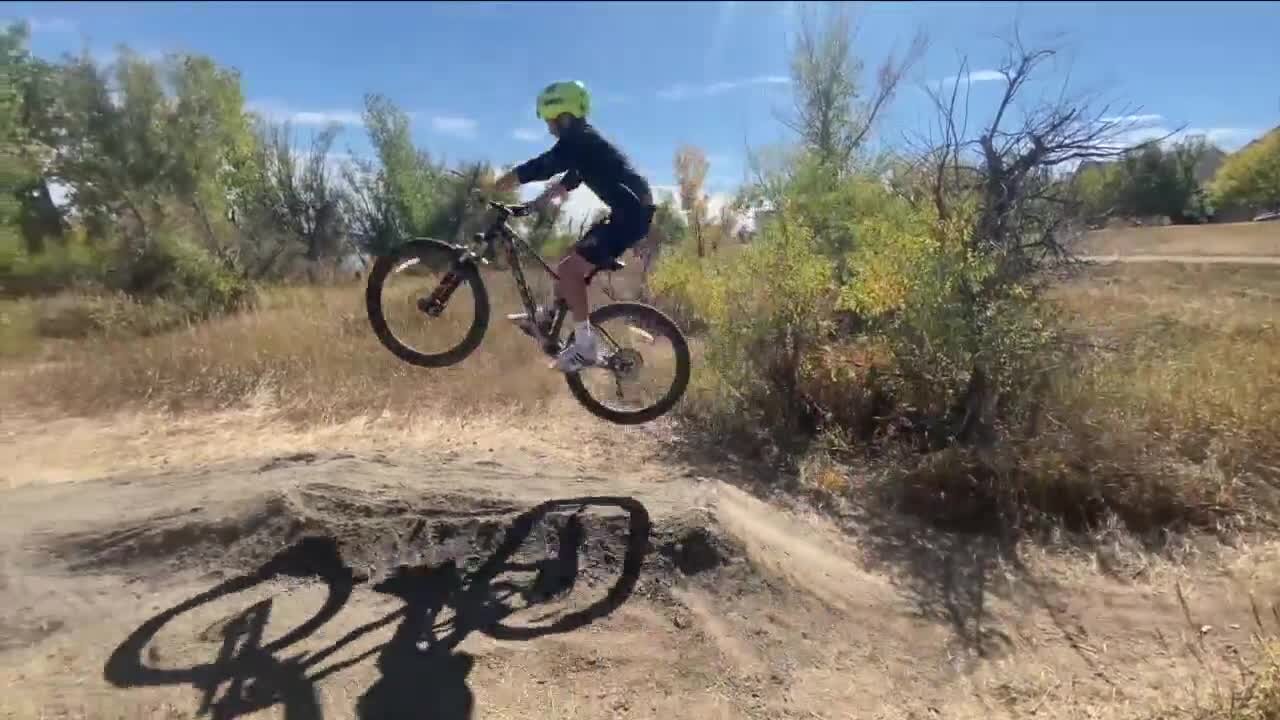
[(561, 104)]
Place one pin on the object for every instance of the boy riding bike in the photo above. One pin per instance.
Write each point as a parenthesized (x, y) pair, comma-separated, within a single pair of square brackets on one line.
[(585, 157)]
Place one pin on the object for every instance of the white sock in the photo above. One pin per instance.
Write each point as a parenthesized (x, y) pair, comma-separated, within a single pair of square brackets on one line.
[(582, 331)]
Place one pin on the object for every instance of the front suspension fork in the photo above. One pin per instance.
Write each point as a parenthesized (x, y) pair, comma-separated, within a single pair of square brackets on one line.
[(434, 303)]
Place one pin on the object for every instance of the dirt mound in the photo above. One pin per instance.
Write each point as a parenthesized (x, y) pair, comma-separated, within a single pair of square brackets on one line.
[(378, 533), (337, 586)]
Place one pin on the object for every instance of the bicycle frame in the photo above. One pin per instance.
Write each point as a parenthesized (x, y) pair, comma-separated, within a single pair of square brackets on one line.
[(501, 232)]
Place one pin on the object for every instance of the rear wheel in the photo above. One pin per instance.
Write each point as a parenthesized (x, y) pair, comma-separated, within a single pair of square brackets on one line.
[(644, 367), (425, 306)]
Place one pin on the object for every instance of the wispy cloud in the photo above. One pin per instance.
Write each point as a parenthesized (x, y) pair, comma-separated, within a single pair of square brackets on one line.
[(454, 125), (977, 76), (526, 135), (51, 25), (279, 112), (1225, 138), (682, 91), (1134, 119), (326, 117)]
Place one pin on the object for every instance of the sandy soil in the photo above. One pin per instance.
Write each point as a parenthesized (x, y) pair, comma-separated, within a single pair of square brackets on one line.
[(554, 569)]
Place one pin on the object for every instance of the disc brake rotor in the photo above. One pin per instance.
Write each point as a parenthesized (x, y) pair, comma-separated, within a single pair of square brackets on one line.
[(626, 364)]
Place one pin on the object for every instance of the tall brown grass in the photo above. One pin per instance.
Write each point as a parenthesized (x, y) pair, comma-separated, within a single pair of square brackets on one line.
[(1186, 356), (307, 351)]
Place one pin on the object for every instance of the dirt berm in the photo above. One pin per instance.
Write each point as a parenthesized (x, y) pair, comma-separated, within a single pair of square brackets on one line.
[(491, 586)]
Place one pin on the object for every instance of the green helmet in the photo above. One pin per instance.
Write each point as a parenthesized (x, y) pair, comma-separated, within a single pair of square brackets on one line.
[(569, 96)]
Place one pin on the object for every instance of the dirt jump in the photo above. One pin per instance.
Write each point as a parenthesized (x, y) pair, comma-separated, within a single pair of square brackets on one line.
[(486, 582)]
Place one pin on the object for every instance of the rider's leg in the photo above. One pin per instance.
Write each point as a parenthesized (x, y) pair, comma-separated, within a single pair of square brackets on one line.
[(599, 248), (571, 284)]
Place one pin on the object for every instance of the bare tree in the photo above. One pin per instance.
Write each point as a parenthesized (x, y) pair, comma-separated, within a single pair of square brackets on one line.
[(294, 204), (691, 172), (1015, 169)]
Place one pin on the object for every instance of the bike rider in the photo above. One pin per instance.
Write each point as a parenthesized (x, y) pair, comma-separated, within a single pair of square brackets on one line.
[(585, 157)]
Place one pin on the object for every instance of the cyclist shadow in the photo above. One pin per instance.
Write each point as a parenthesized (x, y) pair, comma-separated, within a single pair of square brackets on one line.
[(422, 673)]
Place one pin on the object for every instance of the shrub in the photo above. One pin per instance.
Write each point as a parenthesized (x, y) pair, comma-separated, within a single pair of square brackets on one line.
[(61, 266)]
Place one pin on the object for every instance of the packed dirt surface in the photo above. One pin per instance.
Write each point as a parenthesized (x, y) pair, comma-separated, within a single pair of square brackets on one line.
[(1186, 259), (589, 573)]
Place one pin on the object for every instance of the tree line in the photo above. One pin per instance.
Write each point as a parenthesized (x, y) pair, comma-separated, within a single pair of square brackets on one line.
[(170, 182)]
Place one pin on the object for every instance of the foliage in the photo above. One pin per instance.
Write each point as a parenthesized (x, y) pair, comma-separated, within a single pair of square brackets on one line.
[(764, 309), (1250, 178), (1148, 180), (830, 114), (174, 191)]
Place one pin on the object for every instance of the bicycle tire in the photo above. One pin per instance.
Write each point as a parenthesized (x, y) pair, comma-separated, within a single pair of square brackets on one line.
[(383, 266), (683, 366)]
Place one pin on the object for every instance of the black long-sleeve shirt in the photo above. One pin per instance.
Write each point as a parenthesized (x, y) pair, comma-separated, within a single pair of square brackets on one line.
[(585, 156)]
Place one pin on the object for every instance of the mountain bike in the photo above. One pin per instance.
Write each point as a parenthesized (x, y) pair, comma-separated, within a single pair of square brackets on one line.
[(620, 365)]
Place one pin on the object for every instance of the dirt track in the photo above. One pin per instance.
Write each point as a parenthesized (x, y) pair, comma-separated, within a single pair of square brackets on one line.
[(549, 581), (1187, 259)]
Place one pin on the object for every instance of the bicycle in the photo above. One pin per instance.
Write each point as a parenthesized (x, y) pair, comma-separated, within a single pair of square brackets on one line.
[(463, 269)]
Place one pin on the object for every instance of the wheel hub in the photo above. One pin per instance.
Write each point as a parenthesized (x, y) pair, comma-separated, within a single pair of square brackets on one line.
[(626, 363)]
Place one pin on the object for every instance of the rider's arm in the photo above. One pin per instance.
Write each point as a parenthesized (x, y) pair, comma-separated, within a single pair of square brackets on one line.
[(560, 188), (551, 162)]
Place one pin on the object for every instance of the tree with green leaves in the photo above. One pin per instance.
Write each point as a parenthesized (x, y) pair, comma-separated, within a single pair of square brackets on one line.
[(26, 203), (412, 180), (831, 113), (1250, 178)]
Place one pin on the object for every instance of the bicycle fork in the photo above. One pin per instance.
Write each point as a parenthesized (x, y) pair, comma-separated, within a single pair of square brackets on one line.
[(434, 304)]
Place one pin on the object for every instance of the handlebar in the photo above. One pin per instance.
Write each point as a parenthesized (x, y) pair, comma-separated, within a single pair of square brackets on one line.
[(506, 210)]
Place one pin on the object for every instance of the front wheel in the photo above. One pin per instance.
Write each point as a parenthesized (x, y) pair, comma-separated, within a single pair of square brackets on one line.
[(426, 306), (644, 365)]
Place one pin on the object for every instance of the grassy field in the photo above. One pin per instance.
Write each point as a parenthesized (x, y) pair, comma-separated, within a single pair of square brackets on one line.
[(306, 351), (1243, 239)]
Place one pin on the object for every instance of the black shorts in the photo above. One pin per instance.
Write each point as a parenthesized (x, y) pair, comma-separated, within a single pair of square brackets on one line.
[(609, 238)]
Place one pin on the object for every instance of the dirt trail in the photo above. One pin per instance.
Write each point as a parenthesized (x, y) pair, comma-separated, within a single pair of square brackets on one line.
[(545, 580), (1186, 259)]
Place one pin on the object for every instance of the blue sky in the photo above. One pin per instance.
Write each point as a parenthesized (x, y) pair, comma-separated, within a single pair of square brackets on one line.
[(665, 73)]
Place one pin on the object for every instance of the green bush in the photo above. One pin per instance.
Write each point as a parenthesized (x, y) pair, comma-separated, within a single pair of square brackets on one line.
[(61, 266), (854, 312), (765, 309), (177, 270), (125, 289)]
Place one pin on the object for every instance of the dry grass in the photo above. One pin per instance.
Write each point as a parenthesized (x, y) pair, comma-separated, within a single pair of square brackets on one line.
[(1186, 356), (1258, 697), (1256, 239), (307, 351)]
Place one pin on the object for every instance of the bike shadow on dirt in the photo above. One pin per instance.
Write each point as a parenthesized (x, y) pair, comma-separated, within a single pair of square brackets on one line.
[(423, 674)]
